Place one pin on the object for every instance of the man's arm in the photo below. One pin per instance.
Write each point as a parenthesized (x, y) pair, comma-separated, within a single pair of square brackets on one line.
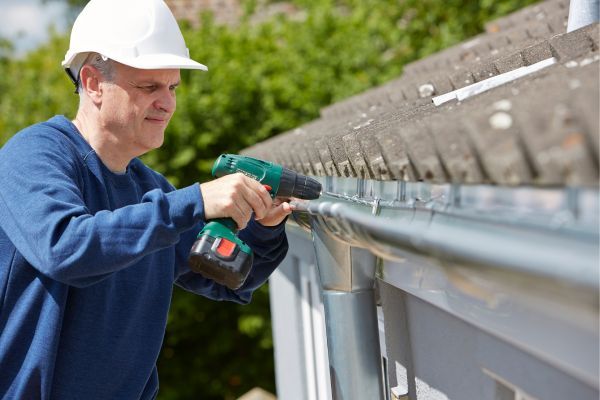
[(43, 212)]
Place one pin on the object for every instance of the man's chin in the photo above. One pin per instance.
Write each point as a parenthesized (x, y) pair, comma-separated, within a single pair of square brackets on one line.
[(157, 144), (152, 141)]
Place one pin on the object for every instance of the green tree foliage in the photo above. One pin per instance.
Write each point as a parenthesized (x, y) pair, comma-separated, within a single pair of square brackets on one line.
[(262, 80)]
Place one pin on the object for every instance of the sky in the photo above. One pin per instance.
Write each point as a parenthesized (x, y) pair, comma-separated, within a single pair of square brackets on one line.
[(25, 22)]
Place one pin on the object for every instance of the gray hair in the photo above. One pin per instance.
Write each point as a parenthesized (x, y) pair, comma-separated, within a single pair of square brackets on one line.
[(105, 65)]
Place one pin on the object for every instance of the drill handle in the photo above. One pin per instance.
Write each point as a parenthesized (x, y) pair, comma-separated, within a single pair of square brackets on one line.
[(227, 222)]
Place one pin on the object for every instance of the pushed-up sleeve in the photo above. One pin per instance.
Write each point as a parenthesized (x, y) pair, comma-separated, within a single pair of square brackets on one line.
[(42, 210)]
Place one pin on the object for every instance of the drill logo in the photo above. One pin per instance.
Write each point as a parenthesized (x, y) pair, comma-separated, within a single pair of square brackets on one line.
[(249, 175)]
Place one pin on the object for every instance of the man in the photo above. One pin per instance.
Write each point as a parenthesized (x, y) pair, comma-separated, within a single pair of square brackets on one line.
[(92, 240)]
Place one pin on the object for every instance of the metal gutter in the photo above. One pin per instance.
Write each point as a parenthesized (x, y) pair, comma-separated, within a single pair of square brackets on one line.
[(465, 240), (550, 242), (541, 243)]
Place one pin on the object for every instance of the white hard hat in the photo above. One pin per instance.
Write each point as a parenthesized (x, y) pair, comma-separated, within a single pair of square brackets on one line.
[(139, 33)]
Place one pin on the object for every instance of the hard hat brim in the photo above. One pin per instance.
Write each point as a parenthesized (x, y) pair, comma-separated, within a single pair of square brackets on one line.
[(162, 61), (150, 61)]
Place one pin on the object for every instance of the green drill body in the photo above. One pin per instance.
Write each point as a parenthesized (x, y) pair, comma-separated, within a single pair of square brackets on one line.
[(218, 253)]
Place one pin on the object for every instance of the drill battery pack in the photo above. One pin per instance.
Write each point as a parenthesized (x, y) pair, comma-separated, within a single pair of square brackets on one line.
[(220, 255)]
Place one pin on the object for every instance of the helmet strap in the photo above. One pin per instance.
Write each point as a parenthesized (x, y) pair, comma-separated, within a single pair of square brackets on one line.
[(74, 79)]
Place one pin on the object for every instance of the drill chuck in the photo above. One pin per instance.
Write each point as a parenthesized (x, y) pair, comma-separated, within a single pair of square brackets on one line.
[(296, 185)]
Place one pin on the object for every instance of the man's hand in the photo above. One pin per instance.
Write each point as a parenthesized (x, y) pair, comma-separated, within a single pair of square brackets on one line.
[(279, 210), (236, 196)]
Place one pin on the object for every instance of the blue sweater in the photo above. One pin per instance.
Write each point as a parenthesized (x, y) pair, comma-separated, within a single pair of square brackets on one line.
[(88, 259)]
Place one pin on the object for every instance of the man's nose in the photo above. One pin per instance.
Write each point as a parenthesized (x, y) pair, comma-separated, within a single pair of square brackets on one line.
[(166, 101)]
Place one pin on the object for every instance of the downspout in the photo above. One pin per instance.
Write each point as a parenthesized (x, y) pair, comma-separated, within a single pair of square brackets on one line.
[(582, 13), (347, 277)]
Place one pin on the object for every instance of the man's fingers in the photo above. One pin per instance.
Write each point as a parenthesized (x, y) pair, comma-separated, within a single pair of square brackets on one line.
[(258, 197), (280, 200), (242, 214), (235, 196), (277, 214)]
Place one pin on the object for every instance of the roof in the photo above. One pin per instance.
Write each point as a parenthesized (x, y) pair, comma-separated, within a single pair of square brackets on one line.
[(539, 129)]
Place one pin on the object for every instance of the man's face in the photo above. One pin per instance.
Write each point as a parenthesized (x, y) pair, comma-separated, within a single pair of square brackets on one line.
[(137, 106)]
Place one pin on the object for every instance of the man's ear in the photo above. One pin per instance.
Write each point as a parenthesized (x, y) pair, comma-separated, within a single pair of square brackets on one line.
[(90, 82)]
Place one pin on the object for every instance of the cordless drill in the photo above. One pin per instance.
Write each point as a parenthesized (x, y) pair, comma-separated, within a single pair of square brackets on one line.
[(218, 253)]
